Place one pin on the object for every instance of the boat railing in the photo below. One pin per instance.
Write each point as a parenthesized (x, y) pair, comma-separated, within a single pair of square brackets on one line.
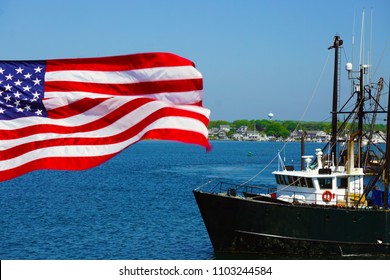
[(327, 197), (291, 196), (234, 189)]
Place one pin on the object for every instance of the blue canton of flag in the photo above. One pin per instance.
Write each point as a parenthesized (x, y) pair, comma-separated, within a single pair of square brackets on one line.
[(21, 89)]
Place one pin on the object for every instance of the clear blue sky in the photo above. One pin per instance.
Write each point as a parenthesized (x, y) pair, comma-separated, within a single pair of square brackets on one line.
[(256, 56)]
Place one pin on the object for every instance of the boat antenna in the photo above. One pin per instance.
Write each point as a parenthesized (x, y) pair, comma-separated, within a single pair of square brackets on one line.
[(361, 60), (353, 36), (336, 44), (370, 53)]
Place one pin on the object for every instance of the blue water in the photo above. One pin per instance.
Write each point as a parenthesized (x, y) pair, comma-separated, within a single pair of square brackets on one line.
[(139, 205)]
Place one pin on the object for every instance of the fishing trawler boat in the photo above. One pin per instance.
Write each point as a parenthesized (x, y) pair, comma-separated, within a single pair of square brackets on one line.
[(336, 205)]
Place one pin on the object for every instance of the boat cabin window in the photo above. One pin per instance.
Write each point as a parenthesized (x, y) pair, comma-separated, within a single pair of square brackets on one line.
[(325, 183), (309, 182), (302, 181), (285, 180), (294, 181), (278, 180), (281, 180), (342, 183)]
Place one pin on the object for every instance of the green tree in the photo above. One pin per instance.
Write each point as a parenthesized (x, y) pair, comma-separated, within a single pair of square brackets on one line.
[(290, 125), (239, 123), (282, 128), (217, 123), (277, 129)]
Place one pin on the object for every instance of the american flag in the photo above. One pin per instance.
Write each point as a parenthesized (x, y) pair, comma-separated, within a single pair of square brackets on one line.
[(74, 114)]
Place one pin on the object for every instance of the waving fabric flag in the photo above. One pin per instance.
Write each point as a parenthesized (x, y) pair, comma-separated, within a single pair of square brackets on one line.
[(74, 114)]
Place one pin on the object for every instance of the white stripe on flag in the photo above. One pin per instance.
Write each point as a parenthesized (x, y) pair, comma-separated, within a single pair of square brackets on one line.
[(125, 77), (58, 99)]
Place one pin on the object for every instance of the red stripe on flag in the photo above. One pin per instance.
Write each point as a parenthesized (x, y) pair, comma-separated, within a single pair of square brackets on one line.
[(55, 163), (75, 108), (119, 63), (126, 89), (185, 136)]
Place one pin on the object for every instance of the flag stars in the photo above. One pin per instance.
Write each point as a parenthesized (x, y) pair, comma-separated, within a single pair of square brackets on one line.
[(36, 95), (37, 82), (38, 69), (7, 98), (28, 76), (17, 94), (21, 90), (18, 83), (19, 70), (8, 87), (26, 88)]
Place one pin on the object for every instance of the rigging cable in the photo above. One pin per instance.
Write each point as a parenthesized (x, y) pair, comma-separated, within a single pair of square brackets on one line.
[(382, 55), (300, 120)]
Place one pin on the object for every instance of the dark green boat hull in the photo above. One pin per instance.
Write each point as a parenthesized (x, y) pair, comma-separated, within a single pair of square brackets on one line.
[(270, 228)]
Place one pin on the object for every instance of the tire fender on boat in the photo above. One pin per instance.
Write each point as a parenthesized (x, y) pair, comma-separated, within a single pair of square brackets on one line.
[(327, 196)]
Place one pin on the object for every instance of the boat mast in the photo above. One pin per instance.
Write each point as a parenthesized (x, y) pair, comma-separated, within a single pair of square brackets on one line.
[(336, 44), (360, 93), (360, 114), (386, 181)]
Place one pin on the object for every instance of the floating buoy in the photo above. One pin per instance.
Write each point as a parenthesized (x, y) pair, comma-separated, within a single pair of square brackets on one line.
[(249, 154)]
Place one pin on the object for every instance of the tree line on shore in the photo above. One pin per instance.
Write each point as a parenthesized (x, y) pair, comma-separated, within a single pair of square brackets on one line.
[(280, 128)]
